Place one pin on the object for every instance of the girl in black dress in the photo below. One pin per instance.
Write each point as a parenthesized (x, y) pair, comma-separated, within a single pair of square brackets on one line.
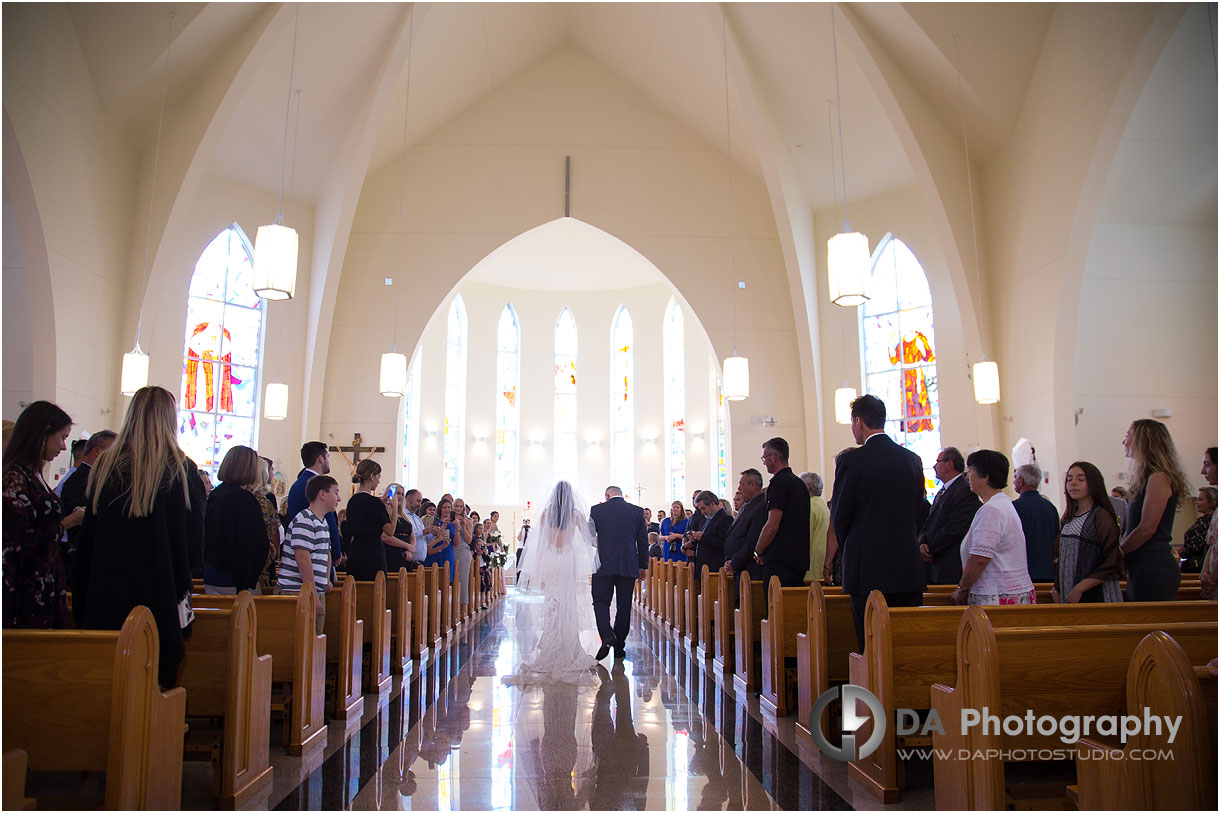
[(399, 553), (368, 523), (1156, 485)]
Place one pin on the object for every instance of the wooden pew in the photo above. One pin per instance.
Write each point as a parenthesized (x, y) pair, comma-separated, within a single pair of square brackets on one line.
[(456, 620), (722, 629), (286, 632), (1051, 670), (432, 591), (1161, 678), (77, 700), (909, 649), (701, 628), (344, 642), (225, 677), (446, 587), (16, 762), (747, 633), (786, 613), (409, 587), (372, 608), (677, 617)]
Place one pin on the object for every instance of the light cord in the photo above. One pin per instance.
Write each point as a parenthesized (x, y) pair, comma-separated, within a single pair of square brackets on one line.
[(152, 192), (292, 65), (834, 39)]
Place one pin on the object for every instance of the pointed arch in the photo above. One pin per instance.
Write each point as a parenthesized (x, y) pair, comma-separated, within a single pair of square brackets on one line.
[(508, 404), (454, 447), (673, 341), (566, 346), (899, 358), (222, 352), (622, 411)]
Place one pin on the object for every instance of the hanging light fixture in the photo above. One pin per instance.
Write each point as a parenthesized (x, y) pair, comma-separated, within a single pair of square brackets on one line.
[(134, 374), (275, 400), (986, 373), (393, 379), (847, 257), (275, 247), (736, 367)]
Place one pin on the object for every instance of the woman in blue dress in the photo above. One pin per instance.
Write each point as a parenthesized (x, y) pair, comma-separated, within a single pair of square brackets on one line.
[(440, 550), (672, 529)]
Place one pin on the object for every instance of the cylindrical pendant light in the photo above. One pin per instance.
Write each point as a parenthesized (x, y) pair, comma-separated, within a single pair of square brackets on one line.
[(986, 382), (393, 374), (737, 378), (848, 264), (275, 402), (843, 398), (275, 248), (135, 371)]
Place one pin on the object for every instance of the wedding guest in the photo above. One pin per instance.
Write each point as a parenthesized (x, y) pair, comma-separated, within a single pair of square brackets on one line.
[(819, 521), (1194, 548), (673, 528), (708, 542), (953, 508), (1039, 521), (35, 578), (133, 546), (463, 553), (401, 553), (783, 544), (72, 493), (306, 561), (419, 550), (369, 524), (440, 551), (78, 454), (653, 527), (1086, 553), (738, 501), (315, 457), (1207, 576), (271, 521), (1118, 499), (994, 569), (1156, 484), (235, 542)]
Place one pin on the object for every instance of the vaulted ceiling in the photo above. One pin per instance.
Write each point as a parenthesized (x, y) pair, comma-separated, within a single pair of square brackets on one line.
[(672, 53)]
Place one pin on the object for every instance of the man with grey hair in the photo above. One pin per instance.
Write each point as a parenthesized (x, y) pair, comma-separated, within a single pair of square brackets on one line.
[(73, 495), (622, 552), (819, 523), (953, 509), (708, 543), (1039, 520)]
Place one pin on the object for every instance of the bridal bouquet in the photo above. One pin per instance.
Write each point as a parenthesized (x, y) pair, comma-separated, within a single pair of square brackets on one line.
[(496, 556)]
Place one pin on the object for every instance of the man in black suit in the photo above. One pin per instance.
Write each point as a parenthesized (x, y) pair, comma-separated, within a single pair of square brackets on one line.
[(708, 543), (72, 492), (953, 508), (878, 506), (746, 528), (622, 550), (697, 520)]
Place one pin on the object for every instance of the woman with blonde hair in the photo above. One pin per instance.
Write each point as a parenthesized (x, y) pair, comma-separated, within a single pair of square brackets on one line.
[(132, 549), (236, 546), (1155, 484)]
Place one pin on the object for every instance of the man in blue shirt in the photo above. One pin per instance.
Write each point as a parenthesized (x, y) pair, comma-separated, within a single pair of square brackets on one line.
[(315, 457), (1039, 520)]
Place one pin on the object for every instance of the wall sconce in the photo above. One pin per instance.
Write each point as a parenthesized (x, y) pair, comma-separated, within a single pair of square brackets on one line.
[(432, 434), (650, 441), (595, 443), (536, 441), (480, 439)]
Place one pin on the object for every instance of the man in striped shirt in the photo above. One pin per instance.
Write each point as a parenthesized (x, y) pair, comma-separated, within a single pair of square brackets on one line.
[(305, 560)]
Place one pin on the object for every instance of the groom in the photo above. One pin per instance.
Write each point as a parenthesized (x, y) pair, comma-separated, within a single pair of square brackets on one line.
[(622, 548)]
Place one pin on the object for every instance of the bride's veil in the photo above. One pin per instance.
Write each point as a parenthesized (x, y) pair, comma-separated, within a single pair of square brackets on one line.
[(562, 547)]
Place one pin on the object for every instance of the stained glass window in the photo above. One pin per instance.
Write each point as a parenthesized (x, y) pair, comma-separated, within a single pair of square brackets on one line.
[(508, 404), (675, 401), (454, 447), (899, 351), (410, 433), (565, 397), (218, 402), (720, 465), (622, 411)]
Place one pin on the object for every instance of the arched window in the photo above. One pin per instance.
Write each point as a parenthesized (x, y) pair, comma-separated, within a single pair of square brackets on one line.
[(674, 347), (720, 465), (899, 350), (410, 434), (622, 412), (565, 396), (455, 398), (218, 404), (508, 406)]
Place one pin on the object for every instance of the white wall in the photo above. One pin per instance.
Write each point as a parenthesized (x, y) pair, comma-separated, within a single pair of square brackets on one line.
[(18, 331), (496, 171)]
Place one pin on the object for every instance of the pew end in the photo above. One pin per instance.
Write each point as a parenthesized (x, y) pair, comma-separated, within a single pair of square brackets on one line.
[(344, 642)]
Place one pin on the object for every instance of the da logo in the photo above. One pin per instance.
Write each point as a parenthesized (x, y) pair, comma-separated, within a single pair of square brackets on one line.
[(849, 694)]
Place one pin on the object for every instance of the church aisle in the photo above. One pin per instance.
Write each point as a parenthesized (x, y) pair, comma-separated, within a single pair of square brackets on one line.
[(651, 733)]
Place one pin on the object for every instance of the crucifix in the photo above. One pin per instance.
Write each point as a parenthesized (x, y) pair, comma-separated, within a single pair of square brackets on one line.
[(357, 448), (639, 494)]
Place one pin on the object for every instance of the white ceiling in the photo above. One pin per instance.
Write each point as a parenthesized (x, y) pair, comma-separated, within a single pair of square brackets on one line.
[(670, 52), (566, 255)]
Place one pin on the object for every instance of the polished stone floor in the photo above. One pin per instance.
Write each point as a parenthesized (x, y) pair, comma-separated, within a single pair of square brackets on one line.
[(654, 732)]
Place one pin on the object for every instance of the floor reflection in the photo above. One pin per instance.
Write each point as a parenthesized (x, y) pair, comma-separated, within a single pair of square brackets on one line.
[(653, 733)]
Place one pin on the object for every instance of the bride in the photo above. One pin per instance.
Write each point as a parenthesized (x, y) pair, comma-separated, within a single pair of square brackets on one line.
[(557, 562)]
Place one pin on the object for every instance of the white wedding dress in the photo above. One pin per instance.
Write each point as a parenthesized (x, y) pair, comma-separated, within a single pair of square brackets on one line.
[(557, 563)]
